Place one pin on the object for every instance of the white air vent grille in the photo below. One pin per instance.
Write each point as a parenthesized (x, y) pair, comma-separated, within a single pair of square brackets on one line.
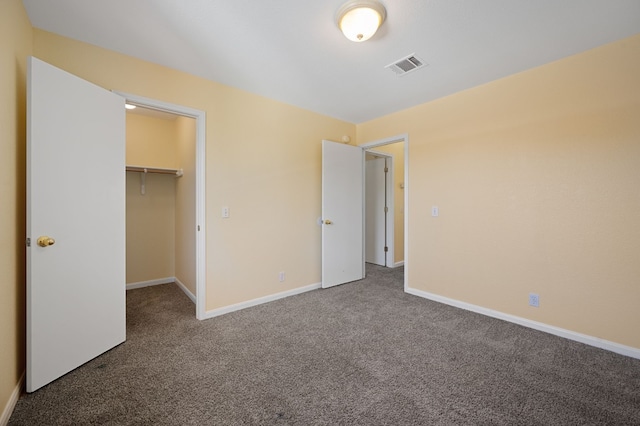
[(406, 65)]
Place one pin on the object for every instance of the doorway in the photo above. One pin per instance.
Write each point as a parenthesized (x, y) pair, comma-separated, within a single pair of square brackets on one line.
[(160, 201), (397, 148), (343, 208), (379, 211), (191, 224)]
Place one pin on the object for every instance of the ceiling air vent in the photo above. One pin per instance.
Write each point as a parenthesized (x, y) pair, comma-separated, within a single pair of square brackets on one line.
[(406, 65)]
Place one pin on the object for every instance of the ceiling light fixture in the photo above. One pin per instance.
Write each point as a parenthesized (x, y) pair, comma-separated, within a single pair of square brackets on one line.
[(129, 106), (360, 19)]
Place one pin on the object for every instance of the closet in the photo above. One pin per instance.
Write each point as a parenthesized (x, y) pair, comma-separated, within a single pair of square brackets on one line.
[(160, 196)]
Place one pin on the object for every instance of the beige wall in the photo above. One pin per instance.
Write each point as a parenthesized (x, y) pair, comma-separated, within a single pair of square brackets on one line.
[(150, 227), (397, 150), (151, 217), (15, 46), (151, 141), (536, 176), (262, 160), (185, 220)]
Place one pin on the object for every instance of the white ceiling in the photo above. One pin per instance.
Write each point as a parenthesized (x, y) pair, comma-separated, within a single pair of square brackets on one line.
[(292, 50)]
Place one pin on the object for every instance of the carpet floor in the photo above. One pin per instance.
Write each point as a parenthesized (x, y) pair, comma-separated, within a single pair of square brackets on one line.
[(364, 353)]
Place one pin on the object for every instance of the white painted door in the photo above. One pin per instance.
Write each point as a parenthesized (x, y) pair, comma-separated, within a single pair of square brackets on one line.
[(375, 214), (75, 195), (342, 214)]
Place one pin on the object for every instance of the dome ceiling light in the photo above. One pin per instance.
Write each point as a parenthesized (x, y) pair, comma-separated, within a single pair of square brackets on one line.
[(360, 19)]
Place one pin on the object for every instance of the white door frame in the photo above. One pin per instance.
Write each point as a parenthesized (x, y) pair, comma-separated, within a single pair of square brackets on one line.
[(200, 230), (391, 213), (388, 141)]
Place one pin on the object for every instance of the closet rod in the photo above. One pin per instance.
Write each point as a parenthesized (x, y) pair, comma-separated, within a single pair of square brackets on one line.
[(140, 169)]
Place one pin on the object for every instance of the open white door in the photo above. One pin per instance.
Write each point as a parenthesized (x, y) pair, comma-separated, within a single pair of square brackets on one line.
[(75, 196), (342, 214), (376, 210)]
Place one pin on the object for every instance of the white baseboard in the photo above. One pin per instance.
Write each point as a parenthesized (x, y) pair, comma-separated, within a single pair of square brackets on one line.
[(567, 334), (11, 403), (149, 283), (259, 301), (159, 281), (185, 290), (398, 264)]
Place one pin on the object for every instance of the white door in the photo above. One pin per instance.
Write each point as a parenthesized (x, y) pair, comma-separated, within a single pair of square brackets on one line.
[(342, 214), (375, 210), (76, 196)]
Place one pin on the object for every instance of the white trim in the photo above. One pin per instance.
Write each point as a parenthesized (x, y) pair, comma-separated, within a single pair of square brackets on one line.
[(141, 284), (159, 281), (561, 332), (387, 141), (11, 403), (185, 290), (201, 241), (406, 212), (398, 264), (259, 301), (200, 117)]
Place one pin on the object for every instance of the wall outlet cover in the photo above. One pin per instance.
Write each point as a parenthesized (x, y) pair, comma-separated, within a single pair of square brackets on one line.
[(534, 300)]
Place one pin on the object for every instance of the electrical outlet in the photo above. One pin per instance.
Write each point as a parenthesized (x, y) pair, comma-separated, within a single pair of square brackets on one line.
[(225, 212), (534, 300), (281, 276)]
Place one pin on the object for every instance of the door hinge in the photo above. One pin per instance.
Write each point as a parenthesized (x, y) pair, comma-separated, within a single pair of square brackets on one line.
[(28, 242), (386, 209), (386, 170), (386, 249)]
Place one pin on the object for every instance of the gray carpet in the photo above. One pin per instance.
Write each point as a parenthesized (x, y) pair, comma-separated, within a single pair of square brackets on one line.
[(363, 353)]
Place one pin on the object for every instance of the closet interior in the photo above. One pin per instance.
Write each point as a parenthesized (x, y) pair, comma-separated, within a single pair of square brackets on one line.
[(161, 201)]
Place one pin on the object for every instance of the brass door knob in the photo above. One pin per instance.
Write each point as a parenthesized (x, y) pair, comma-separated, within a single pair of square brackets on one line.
[(328, 222), (45, 241)]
